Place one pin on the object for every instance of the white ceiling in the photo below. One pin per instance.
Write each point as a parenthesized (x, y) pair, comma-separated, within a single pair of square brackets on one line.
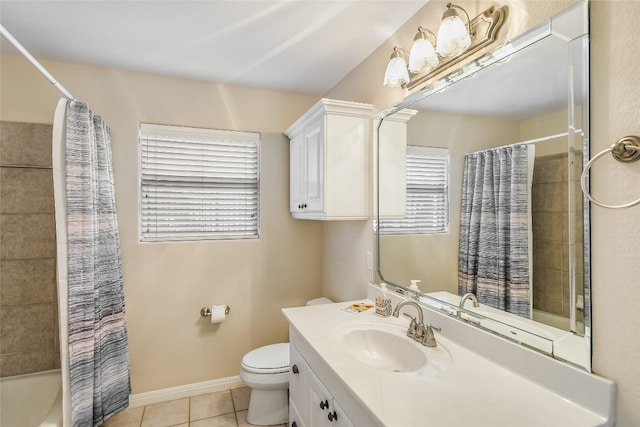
[(299, 46)]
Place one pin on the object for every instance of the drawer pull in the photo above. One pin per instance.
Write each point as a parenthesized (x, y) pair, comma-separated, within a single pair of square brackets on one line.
[(324, 405), (294, 369)]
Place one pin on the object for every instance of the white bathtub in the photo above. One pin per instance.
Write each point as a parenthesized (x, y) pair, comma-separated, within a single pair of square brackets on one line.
[(31, 400)]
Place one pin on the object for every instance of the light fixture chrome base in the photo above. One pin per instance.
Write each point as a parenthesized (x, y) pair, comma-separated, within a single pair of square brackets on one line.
[(484, 31)]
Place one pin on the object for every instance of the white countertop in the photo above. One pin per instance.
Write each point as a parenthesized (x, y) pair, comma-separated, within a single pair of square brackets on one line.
[(472, 391)]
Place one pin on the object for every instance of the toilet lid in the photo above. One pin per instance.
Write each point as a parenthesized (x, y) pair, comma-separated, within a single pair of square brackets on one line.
[(269, 359)]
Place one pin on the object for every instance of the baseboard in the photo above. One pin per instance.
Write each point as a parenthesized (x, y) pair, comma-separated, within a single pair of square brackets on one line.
[(182, 391)]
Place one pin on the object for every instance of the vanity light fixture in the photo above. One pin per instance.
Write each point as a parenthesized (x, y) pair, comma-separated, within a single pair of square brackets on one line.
[(453, 34), (397, 74), (455, 42), (423, 56)]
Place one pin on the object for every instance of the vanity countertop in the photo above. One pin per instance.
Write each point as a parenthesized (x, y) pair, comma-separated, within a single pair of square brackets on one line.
[(471, 391)]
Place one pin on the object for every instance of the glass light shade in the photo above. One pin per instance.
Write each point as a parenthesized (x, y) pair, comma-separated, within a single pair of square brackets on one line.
[(397, 73), (453, 37), (422, 57)]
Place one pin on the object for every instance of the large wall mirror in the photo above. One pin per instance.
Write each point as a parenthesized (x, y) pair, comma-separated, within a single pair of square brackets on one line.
[(510, 129)]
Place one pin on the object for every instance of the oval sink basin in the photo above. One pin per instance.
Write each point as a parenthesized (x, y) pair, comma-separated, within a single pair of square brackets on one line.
[(384, 350)]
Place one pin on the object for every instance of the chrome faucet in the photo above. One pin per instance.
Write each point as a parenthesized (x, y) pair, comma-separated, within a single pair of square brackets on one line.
[(464, 299), (416, 330), (470, 296)]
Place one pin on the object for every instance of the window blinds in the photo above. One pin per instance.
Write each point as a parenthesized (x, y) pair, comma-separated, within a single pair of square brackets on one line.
[(427, 209), (198, 183)]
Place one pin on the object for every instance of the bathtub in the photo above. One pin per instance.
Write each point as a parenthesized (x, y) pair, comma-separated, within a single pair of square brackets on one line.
[(31, 400)]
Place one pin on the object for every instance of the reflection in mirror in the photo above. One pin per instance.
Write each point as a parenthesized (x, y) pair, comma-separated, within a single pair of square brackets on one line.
[(529, 113)]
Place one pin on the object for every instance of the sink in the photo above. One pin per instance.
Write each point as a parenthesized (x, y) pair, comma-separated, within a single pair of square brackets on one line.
[(383, 350), (383, 345)]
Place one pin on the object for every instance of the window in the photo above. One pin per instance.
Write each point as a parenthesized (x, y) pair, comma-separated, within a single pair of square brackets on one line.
[(427, 209), (198, 184)]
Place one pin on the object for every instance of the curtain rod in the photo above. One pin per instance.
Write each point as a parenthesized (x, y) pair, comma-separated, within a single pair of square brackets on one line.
[(528, 142), (543, 139), (7, 35)]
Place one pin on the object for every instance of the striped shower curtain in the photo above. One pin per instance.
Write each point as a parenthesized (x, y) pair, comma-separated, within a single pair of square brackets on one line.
[(94, 346), (494, 260)]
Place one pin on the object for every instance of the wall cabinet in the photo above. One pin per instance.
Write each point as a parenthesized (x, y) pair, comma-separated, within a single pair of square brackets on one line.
[(310, 403), (329, 160)]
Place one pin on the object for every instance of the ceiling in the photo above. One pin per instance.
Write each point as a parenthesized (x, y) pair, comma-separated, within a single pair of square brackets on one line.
[(299, 46)]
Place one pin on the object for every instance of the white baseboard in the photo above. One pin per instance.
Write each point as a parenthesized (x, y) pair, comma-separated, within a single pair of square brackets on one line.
[(182, 391)]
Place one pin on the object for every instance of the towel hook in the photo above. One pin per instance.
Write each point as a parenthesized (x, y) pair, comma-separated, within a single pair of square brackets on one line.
[(626, 149)]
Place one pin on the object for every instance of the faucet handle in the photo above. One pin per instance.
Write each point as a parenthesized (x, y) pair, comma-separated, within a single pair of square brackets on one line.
[(420, 332), (413, 327), (429, 339)]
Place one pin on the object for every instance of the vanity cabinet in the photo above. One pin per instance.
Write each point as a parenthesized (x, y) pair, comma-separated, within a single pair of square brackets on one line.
[(329, 161), (310, 402)]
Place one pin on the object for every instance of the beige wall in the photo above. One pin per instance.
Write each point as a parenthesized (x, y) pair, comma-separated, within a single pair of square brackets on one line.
[(614, 113), (166, 284), (615, 86)]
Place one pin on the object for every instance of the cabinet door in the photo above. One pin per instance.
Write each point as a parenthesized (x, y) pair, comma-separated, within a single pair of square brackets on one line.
[(319, 402), (298, 374), (295, 419), (296, 173), (314, 165), (392, 167), (339, 417)]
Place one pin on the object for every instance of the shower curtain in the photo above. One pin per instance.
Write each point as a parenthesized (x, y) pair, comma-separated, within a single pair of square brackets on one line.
[(93, 334), (495, 224)]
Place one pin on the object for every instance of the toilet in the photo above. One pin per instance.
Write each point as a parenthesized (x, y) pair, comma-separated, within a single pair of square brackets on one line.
[(266, 371)]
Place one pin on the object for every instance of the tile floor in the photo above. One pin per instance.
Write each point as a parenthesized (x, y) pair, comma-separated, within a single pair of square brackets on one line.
[(221, 409)]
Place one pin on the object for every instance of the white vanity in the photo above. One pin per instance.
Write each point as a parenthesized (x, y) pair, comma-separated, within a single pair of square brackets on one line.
[(362, 370)]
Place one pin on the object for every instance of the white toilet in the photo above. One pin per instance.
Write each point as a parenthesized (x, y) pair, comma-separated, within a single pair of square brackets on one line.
[(266, 371)]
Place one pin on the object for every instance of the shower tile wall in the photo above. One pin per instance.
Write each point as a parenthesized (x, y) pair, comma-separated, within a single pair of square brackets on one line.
[(28, 302), (551, 236)]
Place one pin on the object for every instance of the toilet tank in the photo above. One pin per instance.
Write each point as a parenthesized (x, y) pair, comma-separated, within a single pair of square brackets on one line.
[(319, 301)]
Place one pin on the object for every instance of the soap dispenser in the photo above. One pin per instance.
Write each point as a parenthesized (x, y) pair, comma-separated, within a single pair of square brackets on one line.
[(414, 287), (383, 302)]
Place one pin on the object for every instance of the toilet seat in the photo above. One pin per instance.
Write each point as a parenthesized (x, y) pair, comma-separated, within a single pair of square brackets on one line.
[(270, 359)]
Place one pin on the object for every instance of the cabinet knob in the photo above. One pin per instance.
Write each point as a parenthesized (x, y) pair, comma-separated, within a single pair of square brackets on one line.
[(294, 424), (294, 369), (332, 416), (304, 205), (324, 405)]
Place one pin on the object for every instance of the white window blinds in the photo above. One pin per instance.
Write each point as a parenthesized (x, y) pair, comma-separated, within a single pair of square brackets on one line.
[(198, 183), (427, 209)]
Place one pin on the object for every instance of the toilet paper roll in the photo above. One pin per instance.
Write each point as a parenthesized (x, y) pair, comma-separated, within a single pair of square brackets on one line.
[(218, 313)]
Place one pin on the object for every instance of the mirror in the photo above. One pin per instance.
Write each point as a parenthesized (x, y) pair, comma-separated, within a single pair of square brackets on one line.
[(533, 94)]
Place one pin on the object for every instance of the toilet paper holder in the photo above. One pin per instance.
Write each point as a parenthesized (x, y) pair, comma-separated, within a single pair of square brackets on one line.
[(206, 311)]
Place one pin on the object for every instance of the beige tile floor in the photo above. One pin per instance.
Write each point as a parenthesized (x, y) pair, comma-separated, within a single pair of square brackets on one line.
[(221, 409)]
